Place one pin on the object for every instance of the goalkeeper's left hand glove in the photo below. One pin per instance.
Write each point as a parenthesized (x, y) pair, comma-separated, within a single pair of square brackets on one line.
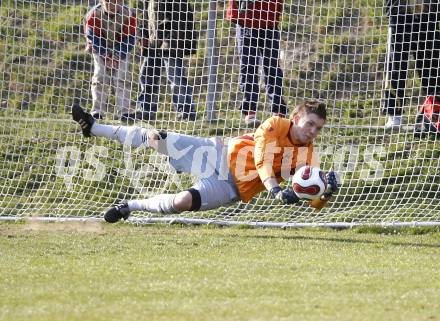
[(332, 185), (286, 196)]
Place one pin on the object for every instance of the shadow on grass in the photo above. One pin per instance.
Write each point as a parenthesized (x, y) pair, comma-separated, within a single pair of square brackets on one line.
[(342, 240)]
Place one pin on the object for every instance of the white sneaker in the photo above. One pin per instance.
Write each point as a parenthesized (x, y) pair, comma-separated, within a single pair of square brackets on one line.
[(393, 122), (251, 120)]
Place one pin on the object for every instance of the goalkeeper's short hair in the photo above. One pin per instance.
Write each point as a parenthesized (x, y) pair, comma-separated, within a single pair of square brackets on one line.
[(313, 106)]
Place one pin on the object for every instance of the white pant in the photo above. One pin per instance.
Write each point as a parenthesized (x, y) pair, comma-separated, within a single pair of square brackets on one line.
[(102, 80), (205, 158)]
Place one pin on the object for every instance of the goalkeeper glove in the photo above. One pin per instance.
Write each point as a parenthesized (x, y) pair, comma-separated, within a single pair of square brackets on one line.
[(286, 196), (332, 185)]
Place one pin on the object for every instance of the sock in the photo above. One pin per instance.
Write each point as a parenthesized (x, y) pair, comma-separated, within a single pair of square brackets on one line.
[(162, 203), (130, 135)]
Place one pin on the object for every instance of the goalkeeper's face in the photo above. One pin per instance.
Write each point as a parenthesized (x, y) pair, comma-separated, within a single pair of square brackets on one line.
[(307, 127)]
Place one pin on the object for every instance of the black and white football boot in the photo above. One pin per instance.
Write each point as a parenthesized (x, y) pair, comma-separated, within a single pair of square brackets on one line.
[(117, 212), (84, 119)]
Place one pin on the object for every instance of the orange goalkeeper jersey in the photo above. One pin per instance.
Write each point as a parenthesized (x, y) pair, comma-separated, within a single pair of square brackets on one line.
[(269, 152)]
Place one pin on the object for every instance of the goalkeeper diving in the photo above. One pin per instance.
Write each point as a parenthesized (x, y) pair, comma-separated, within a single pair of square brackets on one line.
[(227, 173)]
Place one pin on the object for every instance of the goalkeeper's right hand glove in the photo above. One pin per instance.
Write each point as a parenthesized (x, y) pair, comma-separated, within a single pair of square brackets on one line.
[(332, 185), (286, 196)]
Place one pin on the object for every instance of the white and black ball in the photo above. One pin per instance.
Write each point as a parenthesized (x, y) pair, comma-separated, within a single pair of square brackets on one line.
[(309, 182)]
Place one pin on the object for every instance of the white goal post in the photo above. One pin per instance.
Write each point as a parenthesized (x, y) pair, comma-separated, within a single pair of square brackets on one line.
[(345, 53)]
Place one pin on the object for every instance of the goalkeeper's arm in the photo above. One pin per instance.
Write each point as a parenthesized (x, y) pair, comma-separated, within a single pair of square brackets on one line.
[(286, 196)]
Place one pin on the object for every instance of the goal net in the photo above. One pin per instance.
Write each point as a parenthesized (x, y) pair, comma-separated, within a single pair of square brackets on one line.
[(358, 56)]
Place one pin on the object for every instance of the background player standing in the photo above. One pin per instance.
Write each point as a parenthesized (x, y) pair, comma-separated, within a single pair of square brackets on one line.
[(110, 28)]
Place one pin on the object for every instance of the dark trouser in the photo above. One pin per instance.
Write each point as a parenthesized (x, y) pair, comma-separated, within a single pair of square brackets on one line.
[(149, 80), (415, 34), (260, 47)]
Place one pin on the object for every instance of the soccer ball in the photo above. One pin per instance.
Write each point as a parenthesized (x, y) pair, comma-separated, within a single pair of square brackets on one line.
[(309, 183)]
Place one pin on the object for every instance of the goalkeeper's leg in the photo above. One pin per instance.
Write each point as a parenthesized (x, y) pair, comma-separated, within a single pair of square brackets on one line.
[(206, 194), (163, 204), (129, 135)]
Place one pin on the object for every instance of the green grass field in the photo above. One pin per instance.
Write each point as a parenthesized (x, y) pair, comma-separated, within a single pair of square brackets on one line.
[(94, 271)]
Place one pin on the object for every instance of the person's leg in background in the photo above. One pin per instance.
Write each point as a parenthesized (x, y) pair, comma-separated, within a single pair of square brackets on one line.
[(427, 49), (273, 74), (100, 87), (247, 45), (427, 38), (122, 80), (182, 91), (149, 81), (398, 51)]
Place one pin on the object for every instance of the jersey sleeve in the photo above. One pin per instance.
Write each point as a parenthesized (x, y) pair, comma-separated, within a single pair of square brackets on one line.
[(266, 145)]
